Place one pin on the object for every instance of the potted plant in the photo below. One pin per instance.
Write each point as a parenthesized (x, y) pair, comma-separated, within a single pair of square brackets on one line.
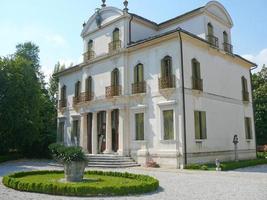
[(73, 159)]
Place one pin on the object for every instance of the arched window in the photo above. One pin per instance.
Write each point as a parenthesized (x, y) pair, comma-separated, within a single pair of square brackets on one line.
[(197, 82), (88, 85), (77, 89), (139, 73), (63, 93), (225, 37), (166, 66), (210, 29), (116, 35), (90, 45), (245, 92), (115, 74)]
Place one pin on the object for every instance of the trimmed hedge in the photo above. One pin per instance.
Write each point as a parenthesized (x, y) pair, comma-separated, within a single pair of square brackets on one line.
[(102, 184), (8, 157)]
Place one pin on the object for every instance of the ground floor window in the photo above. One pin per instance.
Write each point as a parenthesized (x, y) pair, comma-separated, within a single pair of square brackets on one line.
[(200, 125), (139, 126), (75, 133), (61, 132), (248, 128), (168, 125)]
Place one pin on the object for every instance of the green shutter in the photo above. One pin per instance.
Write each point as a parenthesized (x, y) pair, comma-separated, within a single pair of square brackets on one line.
[(163, 68), (197, 125), (116, 34), (168, 125), (140, 73), (203, 126), (248, 128), (136, 74), (139, 126)]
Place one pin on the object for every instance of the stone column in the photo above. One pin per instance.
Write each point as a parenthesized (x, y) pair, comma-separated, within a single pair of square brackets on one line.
[(108, 132), (94, 134), (122, 138), (83, 132)]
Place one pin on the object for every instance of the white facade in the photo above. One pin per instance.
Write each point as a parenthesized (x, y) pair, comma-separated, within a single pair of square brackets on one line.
[(144, 42)]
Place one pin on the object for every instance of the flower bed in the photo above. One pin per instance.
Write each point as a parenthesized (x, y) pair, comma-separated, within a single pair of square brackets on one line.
[(95, 183)]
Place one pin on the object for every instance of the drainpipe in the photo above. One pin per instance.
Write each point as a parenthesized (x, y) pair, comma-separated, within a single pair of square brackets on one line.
[(253, 105), (183, 94)]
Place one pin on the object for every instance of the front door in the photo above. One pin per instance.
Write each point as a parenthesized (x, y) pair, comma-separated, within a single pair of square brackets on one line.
[(89, 132), (101, 131), (115, 130)]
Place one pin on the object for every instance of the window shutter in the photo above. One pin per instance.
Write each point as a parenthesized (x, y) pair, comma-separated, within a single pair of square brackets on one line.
[(197, 125), (163, 69), (140, 73), (136, 74), (78, 131), (203, 126)]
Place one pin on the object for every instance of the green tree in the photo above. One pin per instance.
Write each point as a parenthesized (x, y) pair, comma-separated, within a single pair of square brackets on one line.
[(259, 82)]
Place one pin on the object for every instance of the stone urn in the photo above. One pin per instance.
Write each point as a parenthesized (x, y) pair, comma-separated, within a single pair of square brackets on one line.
[(74, 170)]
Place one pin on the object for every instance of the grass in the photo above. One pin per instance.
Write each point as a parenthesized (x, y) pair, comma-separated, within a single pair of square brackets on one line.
[(226, 166), (10, 156), (96, 183)]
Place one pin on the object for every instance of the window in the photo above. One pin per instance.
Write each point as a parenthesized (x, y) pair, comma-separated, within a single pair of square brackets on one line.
[(90, 45), (75, 133), (210, 29), (248, 128), (197, 82), (245, 93), (77, 89), (61, 132), (88, 85), (166, 66), (63, 97), (138, 73), (115, 77), (139, 126), (168, 125), (116, 35), (225, 37), (63, 93), (200, 125)]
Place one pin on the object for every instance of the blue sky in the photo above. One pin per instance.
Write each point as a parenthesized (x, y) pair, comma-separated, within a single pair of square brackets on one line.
[(55, 25)]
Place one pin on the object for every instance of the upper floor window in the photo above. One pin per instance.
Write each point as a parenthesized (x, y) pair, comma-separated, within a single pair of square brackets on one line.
[(139, 85), (90, 54), (115, 75), (226, 44), (77, 89), (210, 37), (63, 97), (245, 93), (225, 37), (116, 42), (90, 45), (167, 79), (197, 82), (88, 89)]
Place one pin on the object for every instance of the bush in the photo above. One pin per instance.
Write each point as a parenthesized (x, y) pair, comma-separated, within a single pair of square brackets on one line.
[(242, 163), (67, 154), (99, 183), (10, 156), (197, 167), (261, 155)]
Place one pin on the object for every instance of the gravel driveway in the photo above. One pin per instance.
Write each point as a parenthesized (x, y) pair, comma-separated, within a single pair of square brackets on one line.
[(243, 184)]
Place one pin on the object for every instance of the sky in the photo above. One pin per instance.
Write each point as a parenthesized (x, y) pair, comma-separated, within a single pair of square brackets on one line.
[(55, 25)]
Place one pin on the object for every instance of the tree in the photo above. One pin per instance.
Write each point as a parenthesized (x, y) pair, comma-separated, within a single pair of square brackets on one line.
[(259, 82)]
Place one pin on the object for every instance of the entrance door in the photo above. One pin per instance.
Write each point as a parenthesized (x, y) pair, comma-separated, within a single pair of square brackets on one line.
[(101, 131), (89, 132), (115, 130)]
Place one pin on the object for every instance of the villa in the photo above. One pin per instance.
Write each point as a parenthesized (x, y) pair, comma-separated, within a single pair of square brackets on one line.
[(174, 92)]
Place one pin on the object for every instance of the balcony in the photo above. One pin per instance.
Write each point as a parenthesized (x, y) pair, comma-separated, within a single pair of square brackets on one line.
[(228, 48), (245, 95), (62, 104), (113, 90), (139, 87), (87, 96), (213, 41), (114, 46), (89, 55), (167, 82), (197, 84), (76, 100)]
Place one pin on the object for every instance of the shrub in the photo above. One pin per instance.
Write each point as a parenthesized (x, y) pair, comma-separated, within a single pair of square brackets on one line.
[(67, 154), (110, 183), (10, 156)]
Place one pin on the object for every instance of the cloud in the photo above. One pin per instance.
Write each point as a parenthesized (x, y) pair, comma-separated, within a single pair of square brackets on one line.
[(260, 59)]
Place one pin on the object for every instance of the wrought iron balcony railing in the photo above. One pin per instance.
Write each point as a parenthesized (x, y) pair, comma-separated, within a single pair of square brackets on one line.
[(213, 40), (114, 46), (113, 90), (245, 95), (197, 83), (228, 48), (167, 82), (76, 100), (87, 96), (62, 103), (89, 55), (139, 87)]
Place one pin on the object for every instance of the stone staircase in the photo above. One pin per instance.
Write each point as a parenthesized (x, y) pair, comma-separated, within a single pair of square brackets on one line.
[(111, 161)]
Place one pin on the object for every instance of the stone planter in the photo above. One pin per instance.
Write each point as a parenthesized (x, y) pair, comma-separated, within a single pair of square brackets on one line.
[(74, 171)]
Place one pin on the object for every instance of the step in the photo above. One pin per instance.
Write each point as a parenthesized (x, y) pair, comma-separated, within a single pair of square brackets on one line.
[(114, 166)]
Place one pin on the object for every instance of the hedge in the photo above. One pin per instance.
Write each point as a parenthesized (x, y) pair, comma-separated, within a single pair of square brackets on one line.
[(103, 184), (8, 157)]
